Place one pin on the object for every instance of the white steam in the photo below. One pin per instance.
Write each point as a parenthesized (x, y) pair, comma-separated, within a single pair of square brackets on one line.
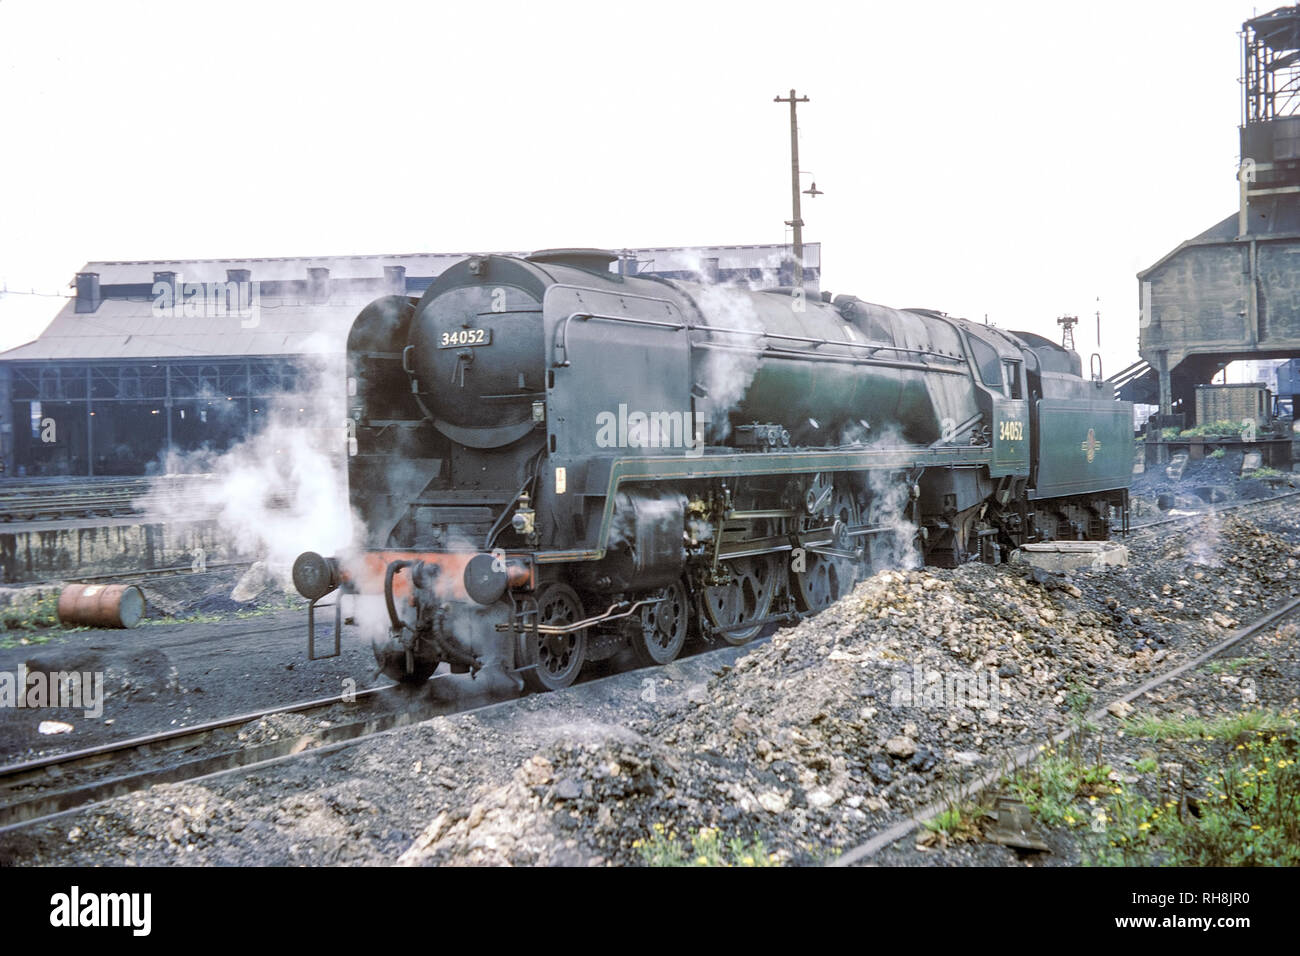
[(731, 358), (280, 491), (893, 548)]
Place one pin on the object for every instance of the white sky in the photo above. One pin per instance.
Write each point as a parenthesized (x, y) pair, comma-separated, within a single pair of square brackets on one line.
[(1011, 159)]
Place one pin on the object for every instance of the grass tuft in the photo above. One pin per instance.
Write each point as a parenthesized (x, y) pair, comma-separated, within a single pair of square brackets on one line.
[(663, 847)]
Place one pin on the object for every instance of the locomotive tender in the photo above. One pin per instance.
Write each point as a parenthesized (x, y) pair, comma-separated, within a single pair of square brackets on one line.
[(554, 462)]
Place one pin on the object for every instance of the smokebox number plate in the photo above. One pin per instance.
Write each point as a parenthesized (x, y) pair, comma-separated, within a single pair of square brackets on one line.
[(454, 340)]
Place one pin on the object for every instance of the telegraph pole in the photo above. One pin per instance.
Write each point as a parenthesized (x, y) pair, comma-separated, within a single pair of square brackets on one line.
[(796, 222)]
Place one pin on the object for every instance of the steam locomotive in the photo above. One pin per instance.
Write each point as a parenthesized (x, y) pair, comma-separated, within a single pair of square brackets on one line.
[(554, 463)]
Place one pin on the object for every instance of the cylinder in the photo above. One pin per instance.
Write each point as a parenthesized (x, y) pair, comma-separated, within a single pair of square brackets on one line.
[(101, 605)]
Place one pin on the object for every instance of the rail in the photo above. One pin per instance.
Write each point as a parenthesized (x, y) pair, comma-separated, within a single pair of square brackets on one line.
[(1028, 753)]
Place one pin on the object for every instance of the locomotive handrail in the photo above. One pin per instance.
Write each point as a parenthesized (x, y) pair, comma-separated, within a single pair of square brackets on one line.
[(847, 343), (958, 369), (562, 333), (562, 337)]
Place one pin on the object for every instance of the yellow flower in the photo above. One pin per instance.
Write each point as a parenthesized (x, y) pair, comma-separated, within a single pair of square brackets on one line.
[(1144, 826), (1256, 827), (1069, 819), (746, 861), (701, 861), (659, 828)]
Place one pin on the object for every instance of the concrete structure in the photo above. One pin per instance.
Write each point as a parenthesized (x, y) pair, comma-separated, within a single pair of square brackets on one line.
[(1233, 292), (1072, 555), (152, 358), (51, 550)]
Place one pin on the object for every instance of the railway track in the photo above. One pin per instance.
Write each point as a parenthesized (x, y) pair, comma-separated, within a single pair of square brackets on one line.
[(53, 499), (39, 790), (1026, 755), (1213, 512), (144, 575)]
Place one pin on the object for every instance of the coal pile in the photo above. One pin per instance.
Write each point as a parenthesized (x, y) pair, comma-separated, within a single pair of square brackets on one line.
[(914, 684)]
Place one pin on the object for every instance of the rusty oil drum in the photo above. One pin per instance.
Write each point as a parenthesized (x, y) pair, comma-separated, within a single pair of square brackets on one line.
[(101, 605)]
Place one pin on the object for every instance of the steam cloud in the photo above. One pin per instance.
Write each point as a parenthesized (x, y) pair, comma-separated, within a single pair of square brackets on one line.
[(281, 490), (731, 360)]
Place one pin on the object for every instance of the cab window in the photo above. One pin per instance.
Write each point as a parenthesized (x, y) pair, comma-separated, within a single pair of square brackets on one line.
[(1012, 370), (988, 362)]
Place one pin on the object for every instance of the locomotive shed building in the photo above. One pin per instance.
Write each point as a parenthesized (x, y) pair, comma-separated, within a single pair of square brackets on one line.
[(153, 357)]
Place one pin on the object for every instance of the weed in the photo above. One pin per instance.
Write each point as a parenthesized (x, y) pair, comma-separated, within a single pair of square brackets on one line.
[(34, 619), (665, 848), (1222, 728), (1230, 664), (1248, 813)]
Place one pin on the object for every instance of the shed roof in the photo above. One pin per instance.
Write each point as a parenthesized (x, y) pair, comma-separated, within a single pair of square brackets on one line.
[(129, 324), (131, 328)]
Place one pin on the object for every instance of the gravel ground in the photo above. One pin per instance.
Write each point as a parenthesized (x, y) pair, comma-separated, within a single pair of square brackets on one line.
[(1205, 483), (810, 742), (198, 656)]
